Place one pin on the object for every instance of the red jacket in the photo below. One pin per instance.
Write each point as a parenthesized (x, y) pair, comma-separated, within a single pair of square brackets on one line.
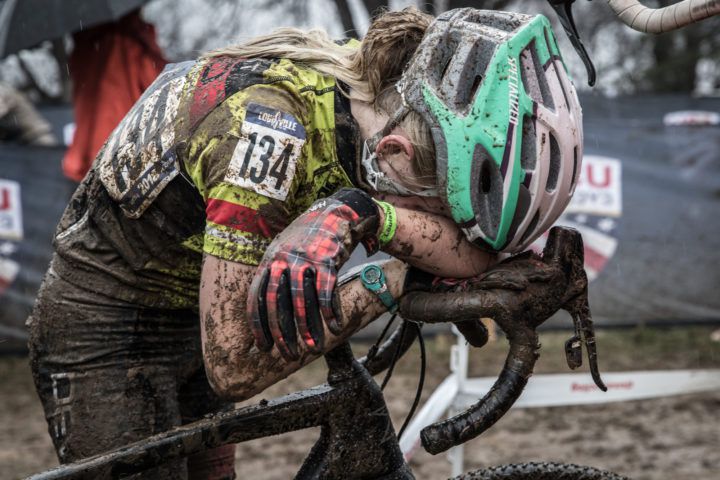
[(111, 65)]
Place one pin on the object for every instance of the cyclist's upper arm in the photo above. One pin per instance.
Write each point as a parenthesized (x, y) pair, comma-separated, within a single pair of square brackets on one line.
[(246, 159)]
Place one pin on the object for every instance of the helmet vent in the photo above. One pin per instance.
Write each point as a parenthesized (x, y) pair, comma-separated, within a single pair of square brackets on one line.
[(548, 42), (557, 62), (530, 230), (488, 194), (528, 146), (554, 169), (504, 21), (445, 68), (533, 76), (442, 60), (465, 83), (475, 85), (575, 166), (524, 199), (485, 181)]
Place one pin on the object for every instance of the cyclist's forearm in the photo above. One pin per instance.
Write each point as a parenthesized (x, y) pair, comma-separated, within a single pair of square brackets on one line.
[(435, 244), (236, 369)]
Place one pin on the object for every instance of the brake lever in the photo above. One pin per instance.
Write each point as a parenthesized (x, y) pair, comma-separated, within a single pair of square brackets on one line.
[(563, 9)]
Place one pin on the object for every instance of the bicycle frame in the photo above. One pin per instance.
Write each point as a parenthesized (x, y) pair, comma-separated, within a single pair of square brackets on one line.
[(350, 409), (357, 434)]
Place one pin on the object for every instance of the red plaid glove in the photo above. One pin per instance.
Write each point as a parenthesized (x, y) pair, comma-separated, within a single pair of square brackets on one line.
[(293, 286)]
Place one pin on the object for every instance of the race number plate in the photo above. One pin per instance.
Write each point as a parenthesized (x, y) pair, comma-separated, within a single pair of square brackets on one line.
[(266, 155)]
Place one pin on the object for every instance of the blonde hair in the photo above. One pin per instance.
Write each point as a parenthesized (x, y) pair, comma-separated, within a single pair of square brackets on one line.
[(370, 70)]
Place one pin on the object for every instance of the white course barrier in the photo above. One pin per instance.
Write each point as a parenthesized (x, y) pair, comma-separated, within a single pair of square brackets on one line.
[(457, 392)]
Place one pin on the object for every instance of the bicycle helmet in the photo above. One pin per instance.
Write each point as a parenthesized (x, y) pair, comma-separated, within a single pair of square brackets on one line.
[(505, 120)]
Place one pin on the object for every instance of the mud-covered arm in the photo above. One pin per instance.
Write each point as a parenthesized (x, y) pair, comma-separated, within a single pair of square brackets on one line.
[(427, 239), (235, 367)]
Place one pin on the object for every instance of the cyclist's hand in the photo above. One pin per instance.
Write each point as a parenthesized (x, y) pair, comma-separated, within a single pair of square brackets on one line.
[(292, 290)]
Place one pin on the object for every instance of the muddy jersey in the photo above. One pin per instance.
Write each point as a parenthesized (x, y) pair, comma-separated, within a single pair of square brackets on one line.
[(216, 157)]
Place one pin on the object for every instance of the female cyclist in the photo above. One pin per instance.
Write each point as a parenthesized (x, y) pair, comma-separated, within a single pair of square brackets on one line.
[(439, 142)]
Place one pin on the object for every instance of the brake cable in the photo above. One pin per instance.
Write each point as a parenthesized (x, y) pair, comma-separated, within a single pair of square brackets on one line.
[(372, 352), (396, 355), (376, 346), (421, 380)]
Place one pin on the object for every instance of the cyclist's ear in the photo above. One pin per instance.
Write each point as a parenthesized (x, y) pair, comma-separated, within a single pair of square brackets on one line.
[(395, 144)]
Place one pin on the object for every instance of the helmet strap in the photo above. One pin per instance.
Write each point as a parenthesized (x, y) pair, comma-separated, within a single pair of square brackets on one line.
[(375, 177), (380, 182), (390, 125)]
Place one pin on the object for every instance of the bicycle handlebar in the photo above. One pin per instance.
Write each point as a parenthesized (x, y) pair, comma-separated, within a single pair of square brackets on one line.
[(659, 20), (519, 294), (639, 17)]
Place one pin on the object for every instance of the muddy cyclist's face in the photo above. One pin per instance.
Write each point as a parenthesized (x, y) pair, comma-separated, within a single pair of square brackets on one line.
[(396, 160), (395, 152)]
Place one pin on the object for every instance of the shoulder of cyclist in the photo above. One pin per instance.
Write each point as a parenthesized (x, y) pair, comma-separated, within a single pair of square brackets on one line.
[(261, 148)]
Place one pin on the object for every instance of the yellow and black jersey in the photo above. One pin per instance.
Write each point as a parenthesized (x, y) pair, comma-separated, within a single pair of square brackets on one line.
[(216, 157)]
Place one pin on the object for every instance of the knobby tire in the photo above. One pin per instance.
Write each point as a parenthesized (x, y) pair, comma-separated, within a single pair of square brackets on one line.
[(541, 471)]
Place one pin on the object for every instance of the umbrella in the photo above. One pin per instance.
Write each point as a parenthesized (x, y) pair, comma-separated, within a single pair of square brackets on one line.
[(25, 23)]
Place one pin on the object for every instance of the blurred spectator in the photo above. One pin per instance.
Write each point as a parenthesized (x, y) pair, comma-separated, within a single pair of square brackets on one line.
[(111, 65), (19, 120)]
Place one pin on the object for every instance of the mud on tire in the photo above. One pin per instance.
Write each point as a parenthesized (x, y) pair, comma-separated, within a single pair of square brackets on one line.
[(541, 471)]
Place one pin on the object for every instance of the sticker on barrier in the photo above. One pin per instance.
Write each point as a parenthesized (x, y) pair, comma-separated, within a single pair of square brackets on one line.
[(10, 211), (595, 211), (11, 231), (598, 191)]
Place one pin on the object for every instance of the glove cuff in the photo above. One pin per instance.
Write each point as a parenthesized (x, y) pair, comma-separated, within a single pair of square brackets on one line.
[(359, 201), (368, 211)]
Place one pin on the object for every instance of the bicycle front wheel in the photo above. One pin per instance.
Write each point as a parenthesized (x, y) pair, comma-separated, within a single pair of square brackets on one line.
[(541, 471)]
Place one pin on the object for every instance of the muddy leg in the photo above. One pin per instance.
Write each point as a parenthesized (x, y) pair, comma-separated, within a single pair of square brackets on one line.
[(107, 373), (196, 400), (91, 412)]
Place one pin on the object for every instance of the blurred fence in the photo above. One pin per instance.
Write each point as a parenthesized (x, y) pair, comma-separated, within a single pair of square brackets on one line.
[(655, 258)]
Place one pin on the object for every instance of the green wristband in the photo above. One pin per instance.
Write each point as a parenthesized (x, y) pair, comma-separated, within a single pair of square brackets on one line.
[(387, 232)]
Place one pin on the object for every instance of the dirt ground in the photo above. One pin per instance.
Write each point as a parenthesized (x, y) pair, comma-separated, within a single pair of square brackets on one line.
[(661, 439)]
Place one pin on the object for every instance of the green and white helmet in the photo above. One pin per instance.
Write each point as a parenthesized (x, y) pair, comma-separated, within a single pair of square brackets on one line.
[(505, 120)]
